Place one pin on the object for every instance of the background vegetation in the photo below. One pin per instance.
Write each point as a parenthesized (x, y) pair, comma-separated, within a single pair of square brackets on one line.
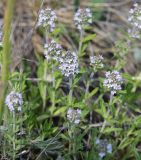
[(42, 131)]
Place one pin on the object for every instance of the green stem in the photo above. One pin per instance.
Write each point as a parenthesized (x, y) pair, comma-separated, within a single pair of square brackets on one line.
[(74, 143), (4, 146), (74, 156), (45, 87), (80, 43), (76, 4), (45, 74), (14, 138), (6, 53), (53, 92), (21, 131), (70, 91), (87, 89)]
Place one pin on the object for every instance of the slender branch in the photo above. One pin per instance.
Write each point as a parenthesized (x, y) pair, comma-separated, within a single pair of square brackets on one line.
[(53, 91), (80, 43), (70, 91), (14, 136)]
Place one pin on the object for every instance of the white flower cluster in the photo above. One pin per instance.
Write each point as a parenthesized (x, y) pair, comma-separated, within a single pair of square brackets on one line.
[(96, 62), (69, 64), (52, 50), (134, 33), (47, 19), (82, 18), (74, 115), (135, 21), (14, 101), (103, 147), (113, 81)]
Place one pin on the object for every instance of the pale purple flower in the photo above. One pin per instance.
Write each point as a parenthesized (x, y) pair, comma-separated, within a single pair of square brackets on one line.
[(109, 148), (96, 62), (103, 147), (101, 154), (69, 64), (135, 16), (74, 115), (135, 20), (97, 141), (82, 18), (113, 81), (53, 50), (47, 19), (14, 101), (134, 33)]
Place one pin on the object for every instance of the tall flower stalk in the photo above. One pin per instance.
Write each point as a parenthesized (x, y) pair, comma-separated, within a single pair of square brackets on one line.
[(6, 53), (74, 118), (70, 91), (69, 67), (135, 21), (14, 136), (53, 91), (45, 75), (82, 18), (45, 87), (52, 52), (47, 19), (14, 102), (80, 42)]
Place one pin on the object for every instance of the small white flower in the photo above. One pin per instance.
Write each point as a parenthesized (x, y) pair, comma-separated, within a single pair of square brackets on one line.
[(135, 5), (47, 19), (96, 62), (134, 33), (53, 50), (109, 148), (113, 81), (103, 147), (135, 15), (14, 101), (101, 154), (82, 18), (135, 20), (69, 64), (97, 141), (131, 11), (74, 115)]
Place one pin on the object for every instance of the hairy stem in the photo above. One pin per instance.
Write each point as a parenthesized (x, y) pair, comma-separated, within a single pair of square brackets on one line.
[(14, 138), (53, 92), (45, 87), (74, 148), (70, 91)]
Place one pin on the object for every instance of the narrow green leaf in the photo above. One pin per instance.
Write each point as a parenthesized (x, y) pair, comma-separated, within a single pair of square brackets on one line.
[(88, 38)]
